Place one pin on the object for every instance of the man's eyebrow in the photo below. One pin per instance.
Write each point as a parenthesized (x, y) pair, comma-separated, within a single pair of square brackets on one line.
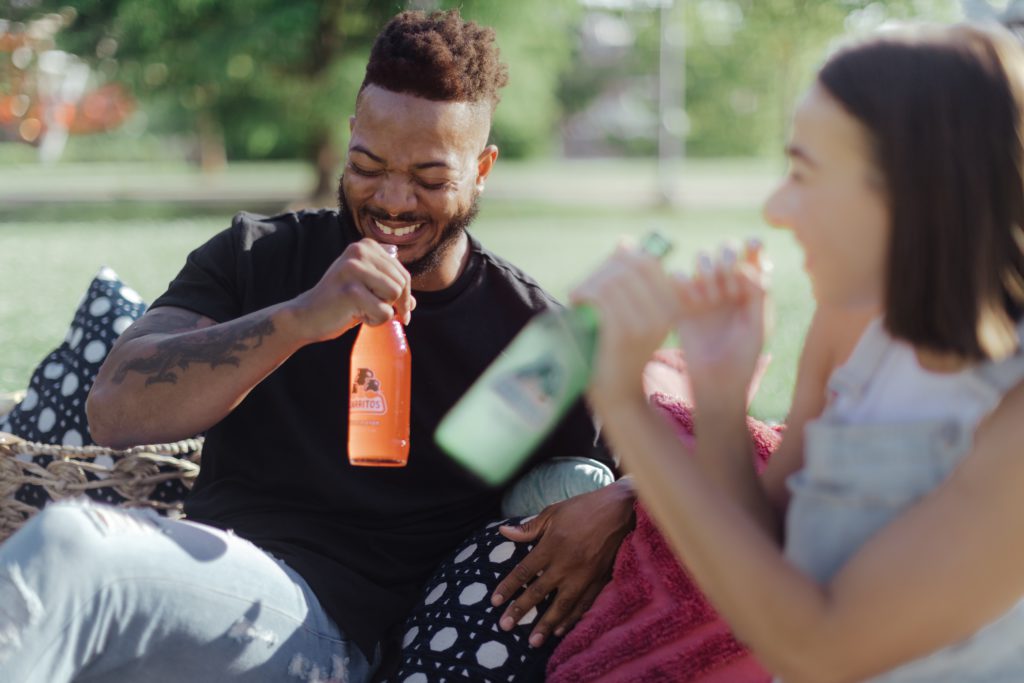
[(363, 150), (418, 167), (431, 164), (798, 154)]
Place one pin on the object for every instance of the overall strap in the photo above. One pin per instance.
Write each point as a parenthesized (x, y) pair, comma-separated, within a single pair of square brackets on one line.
[(852, 377), (1005, 374)]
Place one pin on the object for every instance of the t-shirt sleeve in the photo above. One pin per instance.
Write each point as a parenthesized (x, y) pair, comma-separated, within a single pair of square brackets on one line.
[(208, 283)]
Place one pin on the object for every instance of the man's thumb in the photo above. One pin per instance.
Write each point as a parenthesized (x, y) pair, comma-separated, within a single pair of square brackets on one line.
[(526, 530)]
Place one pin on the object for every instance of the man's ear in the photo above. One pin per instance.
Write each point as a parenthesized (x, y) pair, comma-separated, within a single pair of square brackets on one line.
[(485, 162), (351, 122)]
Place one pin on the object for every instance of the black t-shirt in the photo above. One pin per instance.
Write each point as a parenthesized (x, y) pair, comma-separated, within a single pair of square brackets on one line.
[(276, 470)]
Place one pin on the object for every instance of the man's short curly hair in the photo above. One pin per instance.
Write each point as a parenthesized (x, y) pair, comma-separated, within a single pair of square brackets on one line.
[(437, 57)]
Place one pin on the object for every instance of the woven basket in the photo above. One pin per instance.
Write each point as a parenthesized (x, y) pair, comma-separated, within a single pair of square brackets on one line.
[(133, 474)]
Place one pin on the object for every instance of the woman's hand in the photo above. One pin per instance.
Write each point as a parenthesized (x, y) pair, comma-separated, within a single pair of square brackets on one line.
[(637, 304), (722, 324)]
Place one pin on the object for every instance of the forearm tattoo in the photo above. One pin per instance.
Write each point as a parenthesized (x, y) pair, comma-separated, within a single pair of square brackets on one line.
[(215, 347)]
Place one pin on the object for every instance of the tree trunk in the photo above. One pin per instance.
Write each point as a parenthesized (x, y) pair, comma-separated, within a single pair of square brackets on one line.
[(325, 163), (212, 155)]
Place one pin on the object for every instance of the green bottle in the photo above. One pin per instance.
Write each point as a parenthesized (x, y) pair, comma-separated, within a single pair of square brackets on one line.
[(526, 391)]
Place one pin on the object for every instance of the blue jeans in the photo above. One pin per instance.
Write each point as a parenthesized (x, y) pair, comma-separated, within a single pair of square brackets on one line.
[(97, 593)]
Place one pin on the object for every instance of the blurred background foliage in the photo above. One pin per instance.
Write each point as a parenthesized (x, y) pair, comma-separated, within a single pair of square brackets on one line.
[(130, 130), (212, 80)]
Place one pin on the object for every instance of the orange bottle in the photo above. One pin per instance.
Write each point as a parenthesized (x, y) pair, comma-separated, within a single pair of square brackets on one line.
[(380, 380)]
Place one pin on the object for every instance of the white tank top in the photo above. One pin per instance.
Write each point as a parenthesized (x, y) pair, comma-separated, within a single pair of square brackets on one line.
[(902, 391)]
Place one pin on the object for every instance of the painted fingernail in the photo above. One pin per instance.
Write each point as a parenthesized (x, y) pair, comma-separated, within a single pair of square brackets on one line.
[(728, 257), (704, 263), (752, 249)]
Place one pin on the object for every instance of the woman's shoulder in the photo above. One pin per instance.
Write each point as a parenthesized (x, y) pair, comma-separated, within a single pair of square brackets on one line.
[(833, 334)]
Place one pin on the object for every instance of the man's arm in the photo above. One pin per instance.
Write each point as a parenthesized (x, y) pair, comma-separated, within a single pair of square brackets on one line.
[(174, 357), (204, 369)]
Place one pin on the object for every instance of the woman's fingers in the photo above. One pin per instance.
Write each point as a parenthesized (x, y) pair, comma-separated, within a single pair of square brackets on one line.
[(722, 280)]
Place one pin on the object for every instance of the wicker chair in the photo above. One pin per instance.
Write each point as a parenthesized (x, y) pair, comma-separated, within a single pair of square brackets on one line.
[(133, 473)]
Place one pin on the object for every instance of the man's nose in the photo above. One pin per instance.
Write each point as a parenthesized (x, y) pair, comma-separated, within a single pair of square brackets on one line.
[(395, 194)]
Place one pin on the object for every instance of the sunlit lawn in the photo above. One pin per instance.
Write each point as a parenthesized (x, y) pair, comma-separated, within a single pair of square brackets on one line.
[(48, 263)]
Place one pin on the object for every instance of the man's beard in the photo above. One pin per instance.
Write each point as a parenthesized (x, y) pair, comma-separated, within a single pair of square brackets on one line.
[(450, 234)]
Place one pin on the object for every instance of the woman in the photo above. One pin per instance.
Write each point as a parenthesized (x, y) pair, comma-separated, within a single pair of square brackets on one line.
[(903, 515)]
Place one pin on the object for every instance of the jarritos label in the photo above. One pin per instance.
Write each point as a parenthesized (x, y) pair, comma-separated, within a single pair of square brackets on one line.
[(367, 394)]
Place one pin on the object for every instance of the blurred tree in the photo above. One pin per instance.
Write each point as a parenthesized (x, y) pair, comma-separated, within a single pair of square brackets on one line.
[(253, 78), (532, 36), (746, 61), (278, 78)]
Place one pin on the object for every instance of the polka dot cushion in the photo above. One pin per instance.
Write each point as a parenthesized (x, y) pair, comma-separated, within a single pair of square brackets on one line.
[(53, 410), (453, 634)]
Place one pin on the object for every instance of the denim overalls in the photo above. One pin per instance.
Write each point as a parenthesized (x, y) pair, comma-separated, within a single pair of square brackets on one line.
[(859, 477)]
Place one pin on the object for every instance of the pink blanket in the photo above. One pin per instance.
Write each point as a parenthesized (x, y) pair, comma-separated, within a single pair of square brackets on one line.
[(651, 623)]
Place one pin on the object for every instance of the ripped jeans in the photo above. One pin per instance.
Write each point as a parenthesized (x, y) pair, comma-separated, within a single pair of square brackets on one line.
[(95, 593)]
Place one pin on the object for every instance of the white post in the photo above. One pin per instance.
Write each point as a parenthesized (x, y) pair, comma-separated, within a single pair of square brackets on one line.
[(671, 103)]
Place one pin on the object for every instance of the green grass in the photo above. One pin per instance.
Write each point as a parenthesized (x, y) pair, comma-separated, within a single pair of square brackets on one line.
[(574, 217)]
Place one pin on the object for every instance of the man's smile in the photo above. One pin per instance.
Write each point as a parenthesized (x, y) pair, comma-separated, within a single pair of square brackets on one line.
[(397, 231), (400, 232)]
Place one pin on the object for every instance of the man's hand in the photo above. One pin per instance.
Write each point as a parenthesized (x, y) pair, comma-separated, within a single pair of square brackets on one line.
[(363, 285), (579, 538)]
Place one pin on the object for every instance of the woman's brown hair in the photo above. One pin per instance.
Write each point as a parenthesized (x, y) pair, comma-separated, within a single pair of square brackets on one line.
[(944, 108)]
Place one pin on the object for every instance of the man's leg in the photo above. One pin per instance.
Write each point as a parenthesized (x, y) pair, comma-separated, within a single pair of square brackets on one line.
[(97, 593)]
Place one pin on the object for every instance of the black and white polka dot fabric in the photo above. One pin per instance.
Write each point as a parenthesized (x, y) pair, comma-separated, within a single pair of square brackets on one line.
[(453, 634), (53, 410)]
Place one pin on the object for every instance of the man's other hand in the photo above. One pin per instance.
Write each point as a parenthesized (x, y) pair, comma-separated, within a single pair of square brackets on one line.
[(576, 543)]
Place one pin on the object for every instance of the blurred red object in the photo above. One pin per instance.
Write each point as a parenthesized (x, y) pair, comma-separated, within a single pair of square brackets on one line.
[(102, 109)]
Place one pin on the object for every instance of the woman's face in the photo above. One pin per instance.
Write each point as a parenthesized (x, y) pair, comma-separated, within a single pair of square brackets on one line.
[(833, 199)]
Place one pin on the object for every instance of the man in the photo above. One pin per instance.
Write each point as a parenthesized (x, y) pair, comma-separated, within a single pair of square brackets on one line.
[(292, 559)]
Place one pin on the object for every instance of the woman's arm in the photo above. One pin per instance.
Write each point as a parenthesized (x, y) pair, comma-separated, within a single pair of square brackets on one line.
[(935, 575)]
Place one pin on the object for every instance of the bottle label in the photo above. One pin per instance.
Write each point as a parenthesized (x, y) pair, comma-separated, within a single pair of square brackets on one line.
[(367, 394), (534, 390)]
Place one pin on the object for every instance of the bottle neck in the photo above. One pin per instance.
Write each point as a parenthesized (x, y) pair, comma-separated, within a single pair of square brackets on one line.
[(392, 329)]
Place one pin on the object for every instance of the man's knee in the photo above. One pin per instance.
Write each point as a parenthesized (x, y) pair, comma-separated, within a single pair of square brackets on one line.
[(77, 534)]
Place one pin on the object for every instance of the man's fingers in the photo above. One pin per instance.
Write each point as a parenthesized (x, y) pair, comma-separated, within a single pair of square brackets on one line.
[(565, 603), (404, 306), (382, 274), (582, 605), (534, 594), (372, 310), (521, 575)]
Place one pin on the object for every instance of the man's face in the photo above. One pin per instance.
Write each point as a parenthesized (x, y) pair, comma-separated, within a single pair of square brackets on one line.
[(414, 170)]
